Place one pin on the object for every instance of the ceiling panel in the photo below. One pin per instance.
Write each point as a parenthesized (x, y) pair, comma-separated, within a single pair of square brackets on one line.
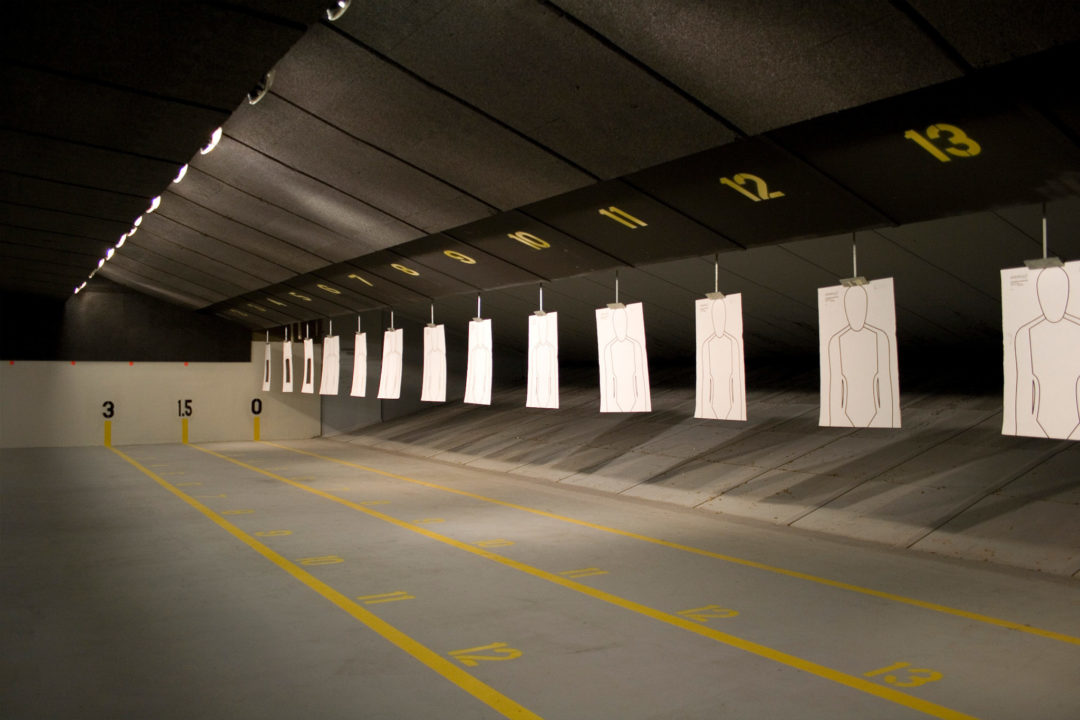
[(941, 151), (542, 75), (67, 243), (53, 195), (212, 194), (138, 124), (374, 100), (627, 224), (987, 32), (255, 174), (356, 168), (62, 223), (160, 225), (68, 261), (132, 264), (754, 193), (121, 275), (763, 65), (202, 53), (81, 165), (530, 244), (169, 266), (190, 214), (180, 253)]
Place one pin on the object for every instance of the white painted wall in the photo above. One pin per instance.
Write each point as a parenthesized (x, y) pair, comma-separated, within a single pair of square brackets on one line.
[(60, 404)]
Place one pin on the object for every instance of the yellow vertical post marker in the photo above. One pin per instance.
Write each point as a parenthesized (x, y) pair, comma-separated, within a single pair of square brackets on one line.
[(183, 431), (255, 433), (108, 433)]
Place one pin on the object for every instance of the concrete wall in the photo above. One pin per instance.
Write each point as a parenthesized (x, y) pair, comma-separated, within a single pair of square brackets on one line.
[(49, 403)]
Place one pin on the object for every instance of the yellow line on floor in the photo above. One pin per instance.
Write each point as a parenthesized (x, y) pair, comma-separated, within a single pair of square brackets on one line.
[(1050, 634), (481, 691), (822, 671)]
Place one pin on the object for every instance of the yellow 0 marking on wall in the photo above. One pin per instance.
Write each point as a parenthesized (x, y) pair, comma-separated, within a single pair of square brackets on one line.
[(255, 429), (444, 667), (808, 666), (977, 617)]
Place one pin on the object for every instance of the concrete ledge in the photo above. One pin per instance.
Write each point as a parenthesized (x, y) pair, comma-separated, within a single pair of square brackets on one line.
[(947, 482)]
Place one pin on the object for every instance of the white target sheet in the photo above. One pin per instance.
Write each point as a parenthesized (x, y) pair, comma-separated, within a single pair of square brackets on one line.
[(624, 367), (860, 384), (721, 378), (1040, 313), (359, 370), (266, 368), (433, 388), (478, 371), (308, 384), (286, 367), (542, 386), (331, 365), (390, 377)]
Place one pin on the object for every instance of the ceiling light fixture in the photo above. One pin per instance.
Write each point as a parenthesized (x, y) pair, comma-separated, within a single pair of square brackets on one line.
[(154, 203), (100, 262), (337, 9), (258, 92), (138, 221), (109, 253), (180, 175), (134, 229), (214, 140), (80, 287), (121, 241)]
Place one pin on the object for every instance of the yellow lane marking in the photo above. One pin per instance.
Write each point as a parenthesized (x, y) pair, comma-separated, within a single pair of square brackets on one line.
[(990, 620), (583, 572), (386, 597), (321, 560), (808, 666), (480, 690), (429, 521), (273, 533)]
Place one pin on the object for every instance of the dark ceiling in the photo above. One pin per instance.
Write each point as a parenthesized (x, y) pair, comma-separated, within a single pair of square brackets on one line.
[(429, 150)]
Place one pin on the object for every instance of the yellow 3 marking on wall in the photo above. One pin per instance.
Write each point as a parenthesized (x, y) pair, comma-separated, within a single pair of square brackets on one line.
[(108, 433)]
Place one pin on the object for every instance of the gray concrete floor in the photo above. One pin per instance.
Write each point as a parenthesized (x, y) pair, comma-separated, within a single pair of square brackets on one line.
[(255, 581)]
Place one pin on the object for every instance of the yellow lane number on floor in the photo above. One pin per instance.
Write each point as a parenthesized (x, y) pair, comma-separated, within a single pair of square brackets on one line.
[(321, 560), (905, 675), (707, 613), (386, 597), (497, 542), (583, 572), (470, 657)]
